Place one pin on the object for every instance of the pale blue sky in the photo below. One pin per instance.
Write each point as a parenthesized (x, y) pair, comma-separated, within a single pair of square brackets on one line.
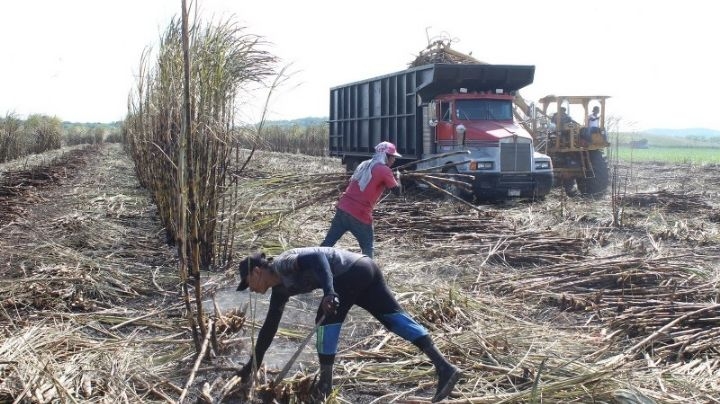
[(76, 59)]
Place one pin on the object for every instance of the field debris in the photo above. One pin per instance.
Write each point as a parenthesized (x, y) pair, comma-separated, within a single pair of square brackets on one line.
[(669, 201), (535, 301)]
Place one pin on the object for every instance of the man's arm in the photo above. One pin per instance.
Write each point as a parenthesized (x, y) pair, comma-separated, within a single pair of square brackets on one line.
[(267, 331), (397, 190), (318, 263), (391, 179)]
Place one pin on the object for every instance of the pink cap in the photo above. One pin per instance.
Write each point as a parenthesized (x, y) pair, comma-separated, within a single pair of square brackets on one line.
[(387, 148)]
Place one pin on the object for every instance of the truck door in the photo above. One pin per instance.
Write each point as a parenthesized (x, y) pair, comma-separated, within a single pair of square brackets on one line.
[(444, 131)]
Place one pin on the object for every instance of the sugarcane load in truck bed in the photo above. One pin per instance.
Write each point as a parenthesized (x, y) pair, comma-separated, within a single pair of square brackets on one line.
[(450, 118)]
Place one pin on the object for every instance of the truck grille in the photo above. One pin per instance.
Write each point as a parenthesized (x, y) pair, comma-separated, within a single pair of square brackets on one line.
[(515, 156)]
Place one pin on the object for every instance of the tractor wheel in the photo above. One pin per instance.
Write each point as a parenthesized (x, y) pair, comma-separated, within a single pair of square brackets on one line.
[(569, 187), (599, 184)]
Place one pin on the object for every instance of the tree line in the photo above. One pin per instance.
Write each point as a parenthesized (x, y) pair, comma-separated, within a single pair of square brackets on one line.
[(40, 133)]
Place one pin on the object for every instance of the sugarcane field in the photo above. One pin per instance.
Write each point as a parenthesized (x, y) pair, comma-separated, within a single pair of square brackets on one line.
[(453, 231), (568, 299)]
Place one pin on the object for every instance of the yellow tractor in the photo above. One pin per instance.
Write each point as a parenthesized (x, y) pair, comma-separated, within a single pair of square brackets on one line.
[(578, 148)]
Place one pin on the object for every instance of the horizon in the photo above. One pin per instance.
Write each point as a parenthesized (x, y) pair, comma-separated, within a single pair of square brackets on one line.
[(325, 118), (78, 61)]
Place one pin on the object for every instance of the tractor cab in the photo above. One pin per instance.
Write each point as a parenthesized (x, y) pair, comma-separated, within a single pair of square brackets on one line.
[(575, 122)]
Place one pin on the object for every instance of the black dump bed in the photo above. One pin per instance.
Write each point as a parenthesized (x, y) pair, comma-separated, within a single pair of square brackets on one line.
[(446, 77)]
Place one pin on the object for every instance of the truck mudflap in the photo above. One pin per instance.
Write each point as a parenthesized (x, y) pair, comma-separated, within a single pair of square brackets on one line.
[(505, 186)]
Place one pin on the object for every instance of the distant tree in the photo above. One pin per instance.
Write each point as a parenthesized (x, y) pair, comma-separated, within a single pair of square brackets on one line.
[(307, 136), (10, 138), (45, 133), (79, 134), (98, 134), (114, 136)]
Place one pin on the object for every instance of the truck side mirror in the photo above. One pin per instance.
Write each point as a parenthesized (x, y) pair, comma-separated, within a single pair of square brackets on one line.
[(432, 114), (460, 134)]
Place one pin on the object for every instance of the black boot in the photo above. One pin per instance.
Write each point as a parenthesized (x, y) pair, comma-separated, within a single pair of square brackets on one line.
[(447, 373), (324, 385)]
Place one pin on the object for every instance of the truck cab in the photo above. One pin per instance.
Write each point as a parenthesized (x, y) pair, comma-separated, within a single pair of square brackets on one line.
[(500, 154)]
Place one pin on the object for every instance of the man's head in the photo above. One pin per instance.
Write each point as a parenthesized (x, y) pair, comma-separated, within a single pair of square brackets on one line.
[(390, 152), (596, 109), (246, 267), (387, 148)]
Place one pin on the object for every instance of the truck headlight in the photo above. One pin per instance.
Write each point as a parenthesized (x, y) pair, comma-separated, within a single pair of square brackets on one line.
[(542, 165), (481, 165)]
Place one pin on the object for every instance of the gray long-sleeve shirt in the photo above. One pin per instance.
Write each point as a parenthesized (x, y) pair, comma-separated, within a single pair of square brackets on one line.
[(297, 279)]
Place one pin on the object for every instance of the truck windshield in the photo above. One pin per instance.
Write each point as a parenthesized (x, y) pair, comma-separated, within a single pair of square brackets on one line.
[(484, 110)]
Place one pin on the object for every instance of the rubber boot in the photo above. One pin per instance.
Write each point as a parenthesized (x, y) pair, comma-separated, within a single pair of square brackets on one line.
[(446, 372), (323, 388)]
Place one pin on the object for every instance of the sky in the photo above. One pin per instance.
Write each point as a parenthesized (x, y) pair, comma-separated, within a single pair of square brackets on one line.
[(78, 59)]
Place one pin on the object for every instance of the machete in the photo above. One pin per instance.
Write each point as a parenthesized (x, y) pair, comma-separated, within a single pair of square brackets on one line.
[(290, 362)]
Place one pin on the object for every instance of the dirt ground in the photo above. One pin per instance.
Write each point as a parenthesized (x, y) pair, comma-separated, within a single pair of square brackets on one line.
[(569, 299)]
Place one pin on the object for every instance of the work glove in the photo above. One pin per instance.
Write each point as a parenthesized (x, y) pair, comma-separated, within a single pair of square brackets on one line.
[(330, 304), (398, 190)]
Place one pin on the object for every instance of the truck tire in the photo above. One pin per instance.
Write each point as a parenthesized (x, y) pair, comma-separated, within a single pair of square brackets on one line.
[(599, 184), (351, 164), (460, 192), (569, 187)]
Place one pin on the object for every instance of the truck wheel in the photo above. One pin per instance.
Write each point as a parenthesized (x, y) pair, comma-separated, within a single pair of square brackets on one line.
[(351, 165), (599, 184), (569, 187), (458, 191)]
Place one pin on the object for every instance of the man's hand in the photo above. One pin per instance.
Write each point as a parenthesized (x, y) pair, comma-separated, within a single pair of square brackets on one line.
[(398, 189), (330, 304), (245, 372)]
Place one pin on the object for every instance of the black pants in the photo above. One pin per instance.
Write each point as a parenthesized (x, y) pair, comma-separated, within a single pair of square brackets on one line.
[(364, 285)]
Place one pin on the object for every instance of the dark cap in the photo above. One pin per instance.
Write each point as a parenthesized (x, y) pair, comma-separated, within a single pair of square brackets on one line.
[(248, 263)]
